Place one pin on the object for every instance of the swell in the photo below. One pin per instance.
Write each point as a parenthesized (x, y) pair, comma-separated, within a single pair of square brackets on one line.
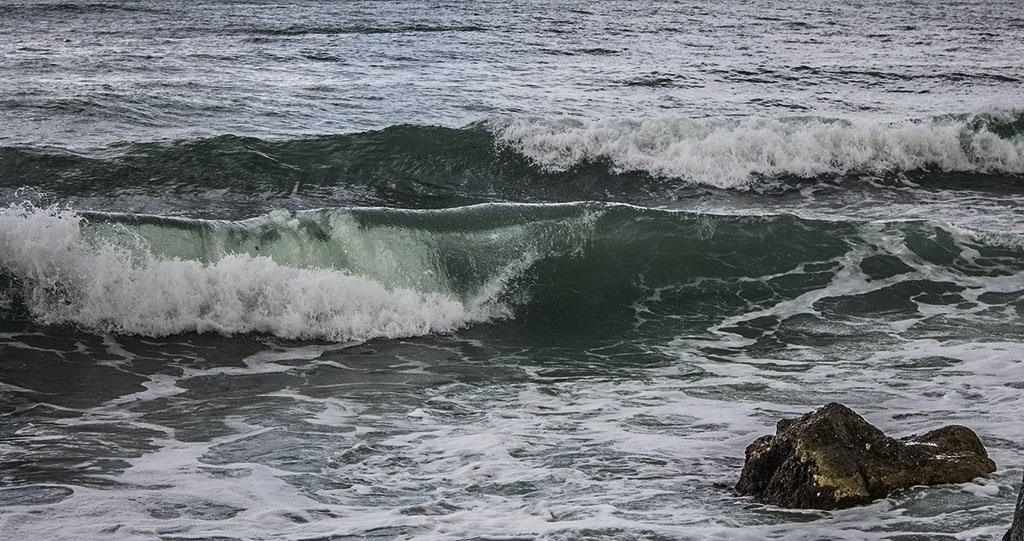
[(535, 160), (359, 273), (392, 166), (74, 8)]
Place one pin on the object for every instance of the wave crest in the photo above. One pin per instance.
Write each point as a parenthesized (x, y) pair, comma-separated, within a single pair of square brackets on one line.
[(341, 274), (738, 153), (71, 274)]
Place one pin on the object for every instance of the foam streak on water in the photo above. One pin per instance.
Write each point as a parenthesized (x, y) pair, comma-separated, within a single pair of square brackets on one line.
[(544, 457)]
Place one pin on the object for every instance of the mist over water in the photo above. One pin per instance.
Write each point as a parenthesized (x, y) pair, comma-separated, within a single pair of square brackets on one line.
[(427, 270)]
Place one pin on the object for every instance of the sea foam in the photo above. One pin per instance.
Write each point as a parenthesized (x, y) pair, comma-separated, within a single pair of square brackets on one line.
[(728, 153), (121, 286)]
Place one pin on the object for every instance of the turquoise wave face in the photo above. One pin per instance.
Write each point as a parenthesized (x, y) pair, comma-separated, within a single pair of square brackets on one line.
[(356, 273)]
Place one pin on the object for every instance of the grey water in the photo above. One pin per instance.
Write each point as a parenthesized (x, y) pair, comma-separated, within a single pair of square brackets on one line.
[(498, 270)]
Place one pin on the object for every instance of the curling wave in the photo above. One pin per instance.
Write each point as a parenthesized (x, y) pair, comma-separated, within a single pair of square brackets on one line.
[(360, 273), (334, 275)]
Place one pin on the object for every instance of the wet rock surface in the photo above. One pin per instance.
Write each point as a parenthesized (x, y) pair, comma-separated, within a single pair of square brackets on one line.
[(832, 458), (1016, 531)]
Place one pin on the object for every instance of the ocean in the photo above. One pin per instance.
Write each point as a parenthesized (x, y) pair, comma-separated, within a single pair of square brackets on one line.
[(445, 270)]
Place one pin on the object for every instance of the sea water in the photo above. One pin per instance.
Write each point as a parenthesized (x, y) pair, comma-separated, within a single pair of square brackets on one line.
[(499, 270)]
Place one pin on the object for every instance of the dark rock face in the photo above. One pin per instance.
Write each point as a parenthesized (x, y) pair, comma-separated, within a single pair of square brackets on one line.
[(832, 458), (1016, 531)]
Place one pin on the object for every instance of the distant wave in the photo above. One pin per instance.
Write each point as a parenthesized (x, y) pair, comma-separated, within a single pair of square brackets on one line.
[(361, 273), (739, 153), (534, 159), (402, 28), (50, 8)]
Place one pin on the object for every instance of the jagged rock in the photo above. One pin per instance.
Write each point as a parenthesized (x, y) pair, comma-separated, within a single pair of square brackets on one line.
[(832, 458), (1016, 531)]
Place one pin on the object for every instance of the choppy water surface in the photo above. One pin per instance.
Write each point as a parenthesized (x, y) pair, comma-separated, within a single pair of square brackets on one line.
[(425, 270), (87, 74)]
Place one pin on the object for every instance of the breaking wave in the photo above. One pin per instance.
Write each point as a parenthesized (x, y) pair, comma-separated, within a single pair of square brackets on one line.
[(361, 273), (531, 160), (739, 153)]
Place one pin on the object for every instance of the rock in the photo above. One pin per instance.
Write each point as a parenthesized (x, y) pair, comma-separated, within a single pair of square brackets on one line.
[(832, 458), (1016, 531)]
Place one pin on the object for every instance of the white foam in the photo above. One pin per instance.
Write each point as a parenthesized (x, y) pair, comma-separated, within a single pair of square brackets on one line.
[(550, 459), (121, 287), (735, 153)]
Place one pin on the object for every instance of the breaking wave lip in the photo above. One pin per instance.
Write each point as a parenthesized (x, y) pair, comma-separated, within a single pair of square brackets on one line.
[(121, 286), (336, 275), (739, 153)]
